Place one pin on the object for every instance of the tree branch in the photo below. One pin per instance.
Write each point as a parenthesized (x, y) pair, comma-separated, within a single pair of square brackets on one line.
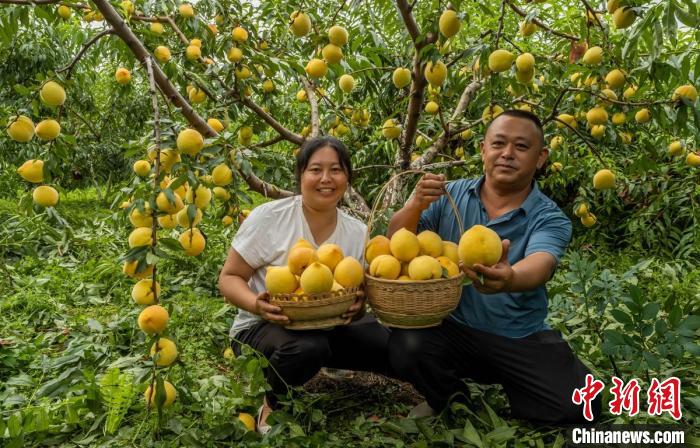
[(313, 103), (415, 102), (467, 95), (161, 19), (82, 51), (276, 125), (136, 46), (85, 122), (342, 5), (418, 83), (443, 165), (500, 22), (356, 202), (372, 68), (267, 143), (582, 136), (156, 177), (618, 102), (541, 24), (555, 107), (411, 25), (266, 189), (431, 152), (174, 97), (592, 11), (367, 167), (465, 99), (177, 30)]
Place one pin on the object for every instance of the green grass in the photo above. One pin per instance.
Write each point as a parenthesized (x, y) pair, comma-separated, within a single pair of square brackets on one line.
[(67, 318)]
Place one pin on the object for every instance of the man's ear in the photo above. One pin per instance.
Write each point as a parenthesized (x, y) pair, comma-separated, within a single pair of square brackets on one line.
[(544, 153)]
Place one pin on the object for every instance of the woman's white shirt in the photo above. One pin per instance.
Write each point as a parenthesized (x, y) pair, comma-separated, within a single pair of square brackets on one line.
[(271, 229)]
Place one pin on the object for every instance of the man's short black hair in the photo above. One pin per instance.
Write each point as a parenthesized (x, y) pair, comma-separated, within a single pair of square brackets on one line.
[(314, 144), (517, 113)]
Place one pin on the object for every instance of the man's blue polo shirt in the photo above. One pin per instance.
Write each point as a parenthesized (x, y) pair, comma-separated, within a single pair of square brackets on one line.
[(538, 225)]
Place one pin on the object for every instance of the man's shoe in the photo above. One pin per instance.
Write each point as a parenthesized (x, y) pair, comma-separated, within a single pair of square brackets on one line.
[(422, 409)]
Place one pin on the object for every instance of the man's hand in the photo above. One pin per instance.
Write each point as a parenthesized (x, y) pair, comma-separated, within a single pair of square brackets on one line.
[(497, 278), (269, 312), (428, 190), (357, 307)]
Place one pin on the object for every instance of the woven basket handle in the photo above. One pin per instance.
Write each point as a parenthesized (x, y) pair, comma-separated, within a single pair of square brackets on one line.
[(378, 201)]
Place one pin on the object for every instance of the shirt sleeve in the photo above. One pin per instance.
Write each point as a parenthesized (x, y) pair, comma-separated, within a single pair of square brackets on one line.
[(250, 240), (552, 235), (430, 218)]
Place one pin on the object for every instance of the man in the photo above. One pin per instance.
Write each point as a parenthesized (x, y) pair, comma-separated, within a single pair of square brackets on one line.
[(497, 334)]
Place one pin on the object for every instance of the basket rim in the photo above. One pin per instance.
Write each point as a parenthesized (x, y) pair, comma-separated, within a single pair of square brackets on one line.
[(320, 298), (414, 282)]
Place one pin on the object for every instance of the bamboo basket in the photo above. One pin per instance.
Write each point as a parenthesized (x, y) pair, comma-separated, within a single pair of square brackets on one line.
[(419, 304), (315, 311)]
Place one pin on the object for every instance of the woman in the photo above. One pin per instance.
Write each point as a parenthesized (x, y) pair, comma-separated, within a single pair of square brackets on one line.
[(323, 174)]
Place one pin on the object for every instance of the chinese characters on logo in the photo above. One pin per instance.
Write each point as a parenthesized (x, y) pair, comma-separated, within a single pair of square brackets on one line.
[(661, 397)]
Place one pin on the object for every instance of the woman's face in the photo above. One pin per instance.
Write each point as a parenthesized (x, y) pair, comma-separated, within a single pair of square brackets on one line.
[(324, 181)]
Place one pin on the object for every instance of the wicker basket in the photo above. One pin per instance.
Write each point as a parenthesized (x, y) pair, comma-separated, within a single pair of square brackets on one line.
[(315, 311), (418, 304), (413, 304)]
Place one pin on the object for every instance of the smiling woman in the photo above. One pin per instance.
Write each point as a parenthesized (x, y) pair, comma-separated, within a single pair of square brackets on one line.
[(323, 174)]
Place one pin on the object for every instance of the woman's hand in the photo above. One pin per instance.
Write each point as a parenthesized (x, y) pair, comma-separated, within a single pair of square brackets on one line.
[(269, 312), (357, 309)]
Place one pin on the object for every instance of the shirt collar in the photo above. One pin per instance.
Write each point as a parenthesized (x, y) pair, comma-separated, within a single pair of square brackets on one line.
[(532, 199), (475, 187), (528, 204)]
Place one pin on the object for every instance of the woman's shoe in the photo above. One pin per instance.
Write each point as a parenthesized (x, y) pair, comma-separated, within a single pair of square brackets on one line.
[(260, 427), (337, 374)]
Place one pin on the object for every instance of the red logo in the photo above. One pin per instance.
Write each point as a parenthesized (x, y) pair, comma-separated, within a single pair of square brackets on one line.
[(625, 397), (586, 394), (665, 397), (661, 396)]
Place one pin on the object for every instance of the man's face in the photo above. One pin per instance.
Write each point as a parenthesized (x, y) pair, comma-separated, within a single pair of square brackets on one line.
[(512, 151)]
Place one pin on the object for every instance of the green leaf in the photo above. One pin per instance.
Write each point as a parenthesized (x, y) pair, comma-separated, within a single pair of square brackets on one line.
[(651, 360), (670, 22), (559, 442), (59, 384), (500, 435), (621, 316), (14, 425), (41, 420), (692, 348), (689, 325), (650, 311), (20, 89), (471, 434), (687, 18), (674, 317), (423, 427)]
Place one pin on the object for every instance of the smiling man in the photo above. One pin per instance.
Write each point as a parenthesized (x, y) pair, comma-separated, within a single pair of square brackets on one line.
[(498, 332)]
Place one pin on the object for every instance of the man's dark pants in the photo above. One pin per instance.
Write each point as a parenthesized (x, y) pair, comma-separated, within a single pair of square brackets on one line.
[(538, 372)]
